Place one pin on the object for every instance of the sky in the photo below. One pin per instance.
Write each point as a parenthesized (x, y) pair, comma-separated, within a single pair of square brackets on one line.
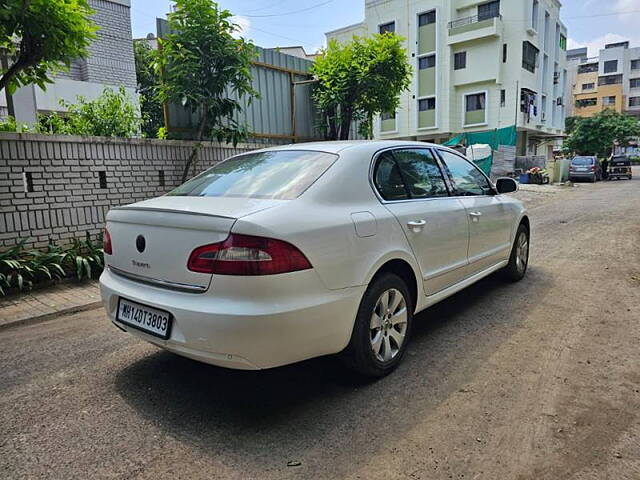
[(280, 23)]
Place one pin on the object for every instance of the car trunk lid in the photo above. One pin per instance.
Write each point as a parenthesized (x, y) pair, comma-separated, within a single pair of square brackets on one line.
[(152, 240)]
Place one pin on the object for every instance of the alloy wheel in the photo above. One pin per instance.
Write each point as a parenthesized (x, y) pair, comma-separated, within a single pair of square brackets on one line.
[(388, 327), (522, 252)]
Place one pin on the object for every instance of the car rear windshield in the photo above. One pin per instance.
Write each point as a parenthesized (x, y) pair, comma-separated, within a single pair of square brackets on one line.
[(280, 174), (582, 161)]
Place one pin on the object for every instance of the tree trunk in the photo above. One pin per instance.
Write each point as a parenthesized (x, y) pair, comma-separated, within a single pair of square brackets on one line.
[(345, 124), (197, 146), (332, 132)]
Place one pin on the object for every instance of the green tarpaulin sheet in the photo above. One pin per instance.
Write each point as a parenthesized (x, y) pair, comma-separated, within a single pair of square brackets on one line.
[(494, 138)]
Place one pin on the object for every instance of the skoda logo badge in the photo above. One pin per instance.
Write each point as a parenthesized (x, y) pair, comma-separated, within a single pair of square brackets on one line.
[(141, 243)]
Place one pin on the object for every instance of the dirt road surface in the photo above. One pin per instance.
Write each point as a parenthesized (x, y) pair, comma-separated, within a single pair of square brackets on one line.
[(537, 380)]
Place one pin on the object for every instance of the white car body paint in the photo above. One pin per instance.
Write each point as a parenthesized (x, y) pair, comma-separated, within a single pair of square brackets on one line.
[(339, 223)]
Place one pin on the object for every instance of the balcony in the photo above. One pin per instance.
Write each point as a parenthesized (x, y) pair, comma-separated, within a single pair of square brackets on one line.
[(474, 28)]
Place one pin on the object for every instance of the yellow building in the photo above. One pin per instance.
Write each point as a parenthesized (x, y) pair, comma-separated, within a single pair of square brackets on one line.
[(610, 81)]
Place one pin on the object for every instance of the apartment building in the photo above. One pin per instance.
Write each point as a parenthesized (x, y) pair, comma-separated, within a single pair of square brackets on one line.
[(110, 63), (611, 80), (478, 65)]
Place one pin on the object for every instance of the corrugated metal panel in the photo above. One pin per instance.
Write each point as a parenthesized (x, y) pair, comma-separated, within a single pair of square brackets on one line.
[(268, 117)]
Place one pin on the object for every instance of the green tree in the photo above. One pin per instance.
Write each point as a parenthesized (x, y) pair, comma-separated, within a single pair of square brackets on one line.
[(206, 70), (148, 82), (359, 80), (112, 114), (598, 134), (40, 37)]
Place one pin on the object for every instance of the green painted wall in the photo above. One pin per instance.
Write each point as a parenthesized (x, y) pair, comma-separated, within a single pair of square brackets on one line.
[(427, 82), (471, 27), (427, 38), (427, 119), (477, 116), (388, 125)]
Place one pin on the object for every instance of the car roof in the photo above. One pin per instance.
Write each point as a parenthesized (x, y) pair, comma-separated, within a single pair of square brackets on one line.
[(343, 145)]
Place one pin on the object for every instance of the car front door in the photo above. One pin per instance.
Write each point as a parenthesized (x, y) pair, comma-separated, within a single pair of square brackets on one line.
[(490, 219), (411, 185)]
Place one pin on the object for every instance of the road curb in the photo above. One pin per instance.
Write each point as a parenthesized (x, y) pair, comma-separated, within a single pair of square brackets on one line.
[(50, 316)]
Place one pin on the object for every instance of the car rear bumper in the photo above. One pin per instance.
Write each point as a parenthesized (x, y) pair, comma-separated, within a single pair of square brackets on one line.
[(582, 175), (246, 322)]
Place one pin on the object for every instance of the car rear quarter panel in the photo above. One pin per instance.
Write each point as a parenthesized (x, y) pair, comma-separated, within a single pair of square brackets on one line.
[(320, 224)]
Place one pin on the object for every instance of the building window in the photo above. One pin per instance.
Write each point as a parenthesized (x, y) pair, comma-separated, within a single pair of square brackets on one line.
[(388, 116), (102, 179), (610, 80), (388, 27), (427, 62), (503, 98), (610, 66), (588, 68), (634, 101), (586, 102), (635, 64), (609, 101), (634, 83), (563, 42), (475, 109), (529, 56), (534, 14), (504, 52), (161, 180), (460, 60), (588, 86), (489, 10), (427, 18), (427, 104)]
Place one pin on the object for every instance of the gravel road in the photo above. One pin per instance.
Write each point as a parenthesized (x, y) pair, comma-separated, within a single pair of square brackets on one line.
[(537, 380)]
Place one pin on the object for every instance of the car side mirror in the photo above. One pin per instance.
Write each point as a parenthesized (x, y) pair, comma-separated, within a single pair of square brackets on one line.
[(506, 185)]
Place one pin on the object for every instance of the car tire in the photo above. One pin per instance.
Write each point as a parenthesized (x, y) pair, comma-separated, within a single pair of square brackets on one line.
[(518, 264), (380, 335)]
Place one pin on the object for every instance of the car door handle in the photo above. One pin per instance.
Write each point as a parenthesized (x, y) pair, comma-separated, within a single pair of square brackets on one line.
[(416, 225)]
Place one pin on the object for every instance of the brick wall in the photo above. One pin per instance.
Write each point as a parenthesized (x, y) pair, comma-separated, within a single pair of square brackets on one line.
[(50, 186)]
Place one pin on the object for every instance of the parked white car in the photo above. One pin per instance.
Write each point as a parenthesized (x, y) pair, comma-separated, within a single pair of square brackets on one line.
[(293, 252)]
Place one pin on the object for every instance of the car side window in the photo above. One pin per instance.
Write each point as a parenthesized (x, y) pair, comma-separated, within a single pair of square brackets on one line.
[(421, 173), (467, 178), (388, 180)]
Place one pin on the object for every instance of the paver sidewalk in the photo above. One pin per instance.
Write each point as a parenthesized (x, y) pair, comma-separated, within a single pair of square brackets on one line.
[(48, 302)]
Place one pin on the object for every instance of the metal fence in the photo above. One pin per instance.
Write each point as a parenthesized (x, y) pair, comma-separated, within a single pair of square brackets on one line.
[(283, 112)]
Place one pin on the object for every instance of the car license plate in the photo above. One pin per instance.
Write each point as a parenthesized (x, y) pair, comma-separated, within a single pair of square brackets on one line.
[(149, 320), (582, 169)]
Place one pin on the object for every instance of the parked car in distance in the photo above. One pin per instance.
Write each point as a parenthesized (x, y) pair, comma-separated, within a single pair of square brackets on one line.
[(293, 252), (620, 167), (585, 168)]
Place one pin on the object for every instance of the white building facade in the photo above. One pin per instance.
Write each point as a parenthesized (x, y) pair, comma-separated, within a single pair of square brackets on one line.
[(478, 65)]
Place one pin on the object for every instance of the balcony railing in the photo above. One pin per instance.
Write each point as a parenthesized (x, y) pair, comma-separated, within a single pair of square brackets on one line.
[(463, 22)]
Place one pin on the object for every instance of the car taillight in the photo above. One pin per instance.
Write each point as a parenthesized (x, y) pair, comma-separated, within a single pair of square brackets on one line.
[(247, 255), (107, 247), (593, 168)]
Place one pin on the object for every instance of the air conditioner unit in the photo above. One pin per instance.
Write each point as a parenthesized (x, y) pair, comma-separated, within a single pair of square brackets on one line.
[(560, 101), (556, 78)]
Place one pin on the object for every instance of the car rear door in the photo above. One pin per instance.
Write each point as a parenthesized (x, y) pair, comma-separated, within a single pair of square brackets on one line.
[(412, 186), (490, 219)]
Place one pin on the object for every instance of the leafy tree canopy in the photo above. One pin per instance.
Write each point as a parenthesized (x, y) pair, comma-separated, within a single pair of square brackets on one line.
[(112, 114), (598, 134), (359, 80), (148, 81), (40, 37), (206, 69)]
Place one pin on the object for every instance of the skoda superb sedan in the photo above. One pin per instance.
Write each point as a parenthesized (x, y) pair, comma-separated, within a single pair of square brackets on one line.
[(289, 253)]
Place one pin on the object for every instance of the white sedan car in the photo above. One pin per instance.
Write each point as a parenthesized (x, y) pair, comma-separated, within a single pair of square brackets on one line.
[(288, 253)]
